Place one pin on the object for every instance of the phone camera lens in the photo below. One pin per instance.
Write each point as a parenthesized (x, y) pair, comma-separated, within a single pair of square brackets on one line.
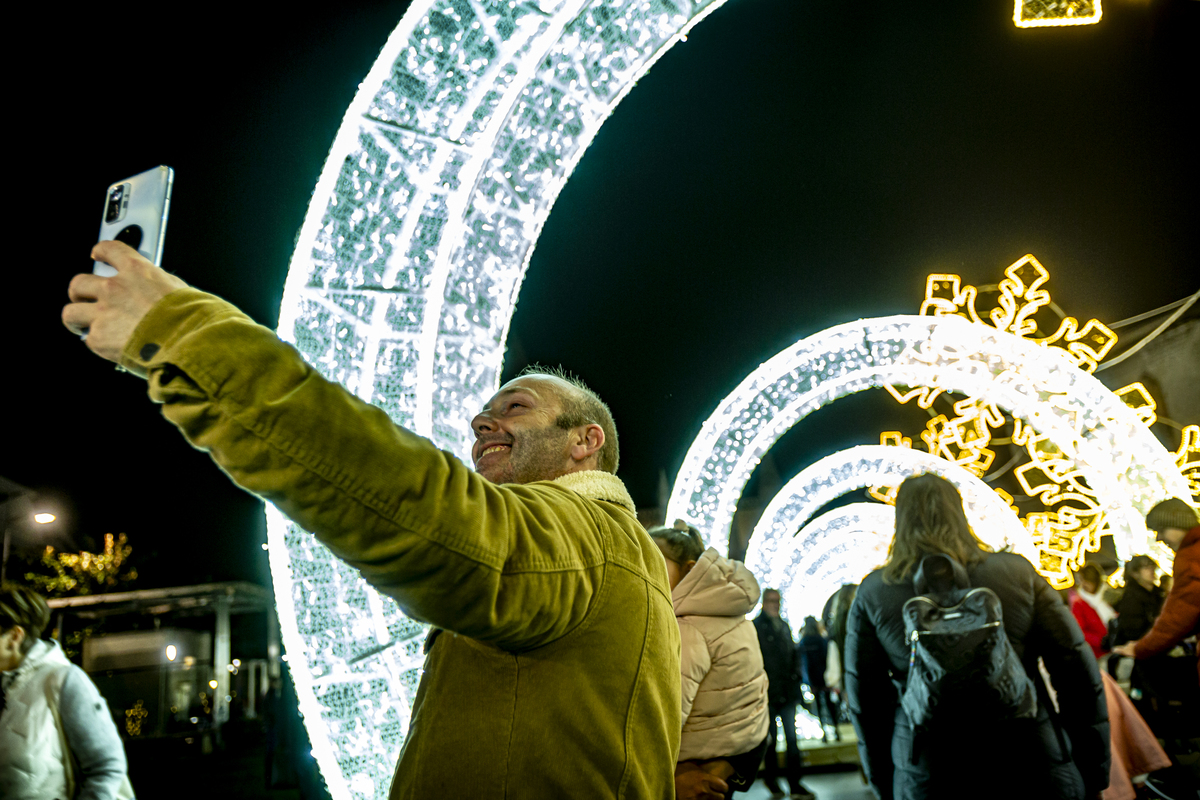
[(113, 211)]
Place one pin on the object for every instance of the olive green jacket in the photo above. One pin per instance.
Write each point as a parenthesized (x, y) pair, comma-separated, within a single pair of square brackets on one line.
[(558, 673)]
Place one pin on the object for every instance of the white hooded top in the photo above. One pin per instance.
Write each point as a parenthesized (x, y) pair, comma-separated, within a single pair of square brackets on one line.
[(57, 738), (33, 751), (724, 685)]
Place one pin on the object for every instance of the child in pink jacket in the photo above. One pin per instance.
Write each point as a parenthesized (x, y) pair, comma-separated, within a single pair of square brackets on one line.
[(724, 686)]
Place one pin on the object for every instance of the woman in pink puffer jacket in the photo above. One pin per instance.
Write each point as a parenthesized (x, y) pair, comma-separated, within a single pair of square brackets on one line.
[(723, 683)]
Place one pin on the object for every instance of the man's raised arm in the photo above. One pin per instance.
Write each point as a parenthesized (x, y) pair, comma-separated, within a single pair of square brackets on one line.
[(514, 565)]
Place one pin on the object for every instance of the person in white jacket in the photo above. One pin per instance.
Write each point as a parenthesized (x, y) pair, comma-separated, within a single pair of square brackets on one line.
[(723, 684), (57, 739)]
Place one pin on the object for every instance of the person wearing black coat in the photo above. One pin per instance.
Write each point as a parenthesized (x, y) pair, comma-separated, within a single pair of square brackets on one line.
[(1061, 755), (782, 666), (812, 650), (1140, 602)]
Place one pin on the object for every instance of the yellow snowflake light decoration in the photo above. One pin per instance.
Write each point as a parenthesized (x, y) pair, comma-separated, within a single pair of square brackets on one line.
[(1020, 298), (1044, 13), (1138, 398), (1073, 518)]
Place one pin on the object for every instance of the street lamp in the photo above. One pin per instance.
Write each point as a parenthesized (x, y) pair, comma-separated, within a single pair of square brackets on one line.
[(10, 491)]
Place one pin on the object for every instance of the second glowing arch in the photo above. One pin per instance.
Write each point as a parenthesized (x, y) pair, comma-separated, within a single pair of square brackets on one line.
[(1128, 467)]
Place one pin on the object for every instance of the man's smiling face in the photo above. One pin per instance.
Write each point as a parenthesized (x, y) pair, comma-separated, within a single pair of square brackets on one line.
[(516, 437)]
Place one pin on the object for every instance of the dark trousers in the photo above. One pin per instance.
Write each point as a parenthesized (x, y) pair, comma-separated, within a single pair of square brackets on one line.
[(826, 710), (793, 769)]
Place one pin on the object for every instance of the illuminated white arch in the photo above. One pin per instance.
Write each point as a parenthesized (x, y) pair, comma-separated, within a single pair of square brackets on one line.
[(844, 545), (778, 555), (1123, 462), (404, 279)]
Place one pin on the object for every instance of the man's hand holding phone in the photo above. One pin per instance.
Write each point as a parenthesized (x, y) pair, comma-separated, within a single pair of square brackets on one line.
[(108, 310)]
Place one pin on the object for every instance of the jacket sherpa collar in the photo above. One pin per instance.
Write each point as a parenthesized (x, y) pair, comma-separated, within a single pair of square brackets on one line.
[(597, 485)]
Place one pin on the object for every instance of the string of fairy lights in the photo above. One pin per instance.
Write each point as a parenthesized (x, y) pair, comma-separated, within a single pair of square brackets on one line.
[(403, 284)]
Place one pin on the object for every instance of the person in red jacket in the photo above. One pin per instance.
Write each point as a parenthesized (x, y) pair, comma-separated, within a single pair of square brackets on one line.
[(1178, 526), (1090, 610)]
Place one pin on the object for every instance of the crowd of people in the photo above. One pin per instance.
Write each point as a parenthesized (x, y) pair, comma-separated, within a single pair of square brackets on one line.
[(573, 655)]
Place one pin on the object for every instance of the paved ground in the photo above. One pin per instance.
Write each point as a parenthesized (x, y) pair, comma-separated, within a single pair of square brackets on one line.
[(182, 770), (169, 768), (832, 771), (826, 786)]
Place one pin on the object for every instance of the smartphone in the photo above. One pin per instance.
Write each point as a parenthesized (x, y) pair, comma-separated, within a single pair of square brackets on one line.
[(135, 212)]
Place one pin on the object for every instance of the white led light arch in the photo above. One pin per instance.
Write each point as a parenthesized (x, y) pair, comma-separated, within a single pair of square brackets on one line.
[(1129, 469), (782, 558), (404, 280), (841, 546)]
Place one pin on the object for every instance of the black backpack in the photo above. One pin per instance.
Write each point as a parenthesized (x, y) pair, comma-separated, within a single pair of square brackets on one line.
[(961, 667)]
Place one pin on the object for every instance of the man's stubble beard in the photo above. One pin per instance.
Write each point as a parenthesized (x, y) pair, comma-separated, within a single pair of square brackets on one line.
[(540, 457)]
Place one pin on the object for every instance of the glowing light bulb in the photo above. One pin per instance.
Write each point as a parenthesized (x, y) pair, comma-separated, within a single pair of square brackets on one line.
[(43, 518), (171, 652)]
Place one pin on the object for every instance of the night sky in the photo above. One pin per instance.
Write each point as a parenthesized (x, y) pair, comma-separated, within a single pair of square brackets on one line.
[(792, 166)]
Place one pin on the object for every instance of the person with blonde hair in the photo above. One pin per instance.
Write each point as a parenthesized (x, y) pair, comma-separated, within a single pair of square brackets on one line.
[(1056, 751), (57, 739)]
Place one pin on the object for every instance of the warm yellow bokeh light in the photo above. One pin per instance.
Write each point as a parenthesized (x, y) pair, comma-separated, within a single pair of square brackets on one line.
[(43, 518)]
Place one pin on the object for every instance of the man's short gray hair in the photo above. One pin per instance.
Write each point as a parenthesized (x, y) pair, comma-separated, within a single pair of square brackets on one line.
[(582, 406)]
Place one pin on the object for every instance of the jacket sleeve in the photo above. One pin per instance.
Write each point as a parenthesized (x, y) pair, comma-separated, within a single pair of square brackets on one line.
[(92, 737), (871, 698), (1083, 711), (695, 662), (515, 566), (1179, 618)]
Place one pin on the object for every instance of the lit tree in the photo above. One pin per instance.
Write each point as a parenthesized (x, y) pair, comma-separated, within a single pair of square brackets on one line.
[(84, 572)]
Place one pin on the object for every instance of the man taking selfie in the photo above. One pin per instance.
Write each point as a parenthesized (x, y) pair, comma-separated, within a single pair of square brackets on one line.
[(556, 670)]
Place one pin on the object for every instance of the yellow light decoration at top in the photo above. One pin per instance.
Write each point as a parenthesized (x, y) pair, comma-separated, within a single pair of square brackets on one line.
[(1048, 13)]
